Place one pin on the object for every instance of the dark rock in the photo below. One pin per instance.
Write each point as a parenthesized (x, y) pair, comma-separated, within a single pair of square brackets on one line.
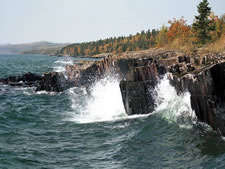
[(53, 82), (15, 84), (190, 68), (27, 79), (30, 77), (138, 89), (207, 90), (81, 74), (184, 58), (135, 97), (175, 68)]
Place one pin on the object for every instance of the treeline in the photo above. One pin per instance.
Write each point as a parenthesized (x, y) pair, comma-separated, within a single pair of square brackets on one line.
[(140, 41), (203, 33), (208, 30)]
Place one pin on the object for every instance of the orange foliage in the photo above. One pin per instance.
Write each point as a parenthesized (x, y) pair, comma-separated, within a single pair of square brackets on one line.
[(178, 29)]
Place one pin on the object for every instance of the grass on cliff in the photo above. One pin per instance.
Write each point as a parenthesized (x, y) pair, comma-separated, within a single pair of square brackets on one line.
[(179, 44), (215, 47), (189, 47)]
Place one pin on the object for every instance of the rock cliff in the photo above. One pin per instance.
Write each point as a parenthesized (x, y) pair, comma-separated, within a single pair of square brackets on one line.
[(140, 72), (138, 86), (207, 89), (82, 73)]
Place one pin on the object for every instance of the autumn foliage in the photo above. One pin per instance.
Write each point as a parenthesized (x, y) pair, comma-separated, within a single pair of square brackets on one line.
[(140, 41), (178, 35), (178, 29)]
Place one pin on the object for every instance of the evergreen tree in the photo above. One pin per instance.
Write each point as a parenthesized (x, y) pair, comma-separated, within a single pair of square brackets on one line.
[(202, 25)]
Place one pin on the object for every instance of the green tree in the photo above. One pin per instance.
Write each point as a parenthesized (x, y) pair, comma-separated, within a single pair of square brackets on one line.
[(203, 25)]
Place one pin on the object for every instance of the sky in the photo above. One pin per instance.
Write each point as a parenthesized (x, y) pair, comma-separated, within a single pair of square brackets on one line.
[(71, 21)]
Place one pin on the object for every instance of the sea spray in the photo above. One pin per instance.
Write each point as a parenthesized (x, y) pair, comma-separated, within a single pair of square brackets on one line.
[(173, 107), (59, 65), (103, 103), (35, 132)]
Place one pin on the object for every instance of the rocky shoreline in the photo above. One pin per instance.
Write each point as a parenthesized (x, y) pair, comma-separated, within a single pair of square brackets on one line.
[(140, 72)]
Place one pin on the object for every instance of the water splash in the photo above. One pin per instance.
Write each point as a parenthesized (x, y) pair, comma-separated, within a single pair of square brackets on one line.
[(59, 65), (103, 103), (173, 107)]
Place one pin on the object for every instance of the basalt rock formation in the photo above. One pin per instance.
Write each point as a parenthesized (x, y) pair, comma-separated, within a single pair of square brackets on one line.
[(82, 73), (138, 86), (204, 79), (144, 73), (140, 72), (53, 82), (27, 79), (87, 72), (207, 89)]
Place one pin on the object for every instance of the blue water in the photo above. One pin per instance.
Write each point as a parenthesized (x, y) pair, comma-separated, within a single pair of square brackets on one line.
[(74, 130)]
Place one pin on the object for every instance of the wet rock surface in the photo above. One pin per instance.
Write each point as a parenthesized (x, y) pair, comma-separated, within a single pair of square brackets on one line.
[(83, 73), (27, 79), (53, 82), (207, 90), (203, 77), (205, 80), (137, 88)]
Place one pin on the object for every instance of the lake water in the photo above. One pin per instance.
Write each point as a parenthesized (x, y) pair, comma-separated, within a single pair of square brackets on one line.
[(76, 130)]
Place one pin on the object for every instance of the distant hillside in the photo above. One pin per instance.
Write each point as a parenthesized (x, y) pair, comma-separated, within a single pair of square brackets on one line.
[(140, 41), (32, 48)]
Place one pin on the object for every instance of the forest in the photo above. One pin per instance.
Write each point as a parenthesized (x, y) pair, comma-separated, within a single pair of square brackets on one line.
[(207, 32)]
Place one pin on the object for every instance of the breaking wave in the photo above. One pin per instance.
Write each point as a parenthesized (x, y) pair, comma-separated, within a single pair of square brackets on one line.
[(174, 107), (102, 103), (59, 65)]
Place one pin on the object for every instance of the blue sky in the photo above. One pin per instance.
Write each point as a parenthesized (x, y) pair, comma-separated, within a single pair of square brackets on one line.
[(23, 21)]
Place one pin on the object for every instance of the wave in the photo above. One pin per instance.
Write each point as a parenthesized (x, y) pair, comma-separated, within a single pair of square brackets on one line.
[(46, 93), (59, 65), (173, 107), (102, 103)]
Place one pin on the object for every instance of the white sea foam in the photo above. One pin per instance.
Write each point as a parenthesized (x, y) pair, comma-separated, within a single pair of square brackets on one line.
[(46, 93), (173, 107), (103, 103), (59, 65)]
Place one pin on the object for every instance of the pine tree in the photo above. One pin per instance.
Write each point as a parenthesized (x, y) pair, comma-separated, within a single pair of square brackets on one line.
[(202, 25)]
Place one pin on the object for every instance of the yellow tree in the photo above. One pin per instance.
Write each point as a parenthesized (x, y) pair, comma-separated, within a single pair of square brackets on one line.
[(162, 38)]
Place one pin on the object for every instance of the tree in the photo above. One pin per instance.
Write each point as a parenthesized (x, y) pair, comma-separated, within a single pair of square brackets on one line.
[(178, 29), (162, 38), (218, 27), (202, 26), (223, 18)]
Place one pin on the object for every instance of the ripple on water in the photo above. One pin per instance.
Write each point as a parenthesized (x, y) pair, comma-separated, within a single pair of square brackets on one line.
[(75, 130)]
